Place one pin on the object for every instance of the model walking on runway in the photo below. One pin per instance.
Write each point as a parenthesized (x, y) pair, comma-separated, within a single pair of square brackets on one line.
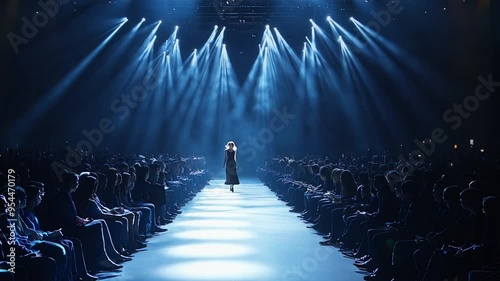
[(230, 165)]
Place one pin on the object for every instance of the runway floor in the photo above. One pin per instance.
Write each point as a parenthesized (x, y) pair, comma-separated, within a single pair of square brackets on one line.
[(246, 235)]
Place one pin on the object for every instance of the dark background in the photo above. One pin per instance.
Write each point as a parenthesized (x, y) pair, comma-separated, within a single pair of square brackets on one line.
[(455, 41)]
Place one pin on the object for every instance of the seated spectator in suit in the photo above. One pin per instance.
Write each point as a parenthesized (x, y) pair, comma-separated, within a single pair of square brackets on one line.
[(31, 265), (488, 254), (100, 253), (72, 245), (402, 259), (145, 191), (148, 224), (414, 223), (461, 243), (33, 240), (119, 220)]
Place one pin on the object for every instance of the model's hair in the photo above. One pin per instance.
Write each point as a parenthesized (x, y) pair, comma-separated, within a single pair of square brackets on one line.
[(229, 143)]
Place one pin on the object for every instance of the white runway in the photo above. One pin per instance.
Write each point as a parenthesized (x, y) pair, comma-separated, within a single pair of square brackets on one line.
[(246, 235)]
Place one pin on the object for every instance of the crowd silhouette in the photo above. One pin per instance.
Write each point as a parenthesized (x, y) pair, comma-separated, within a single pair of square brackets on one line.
[(71, 225), (398, 220)]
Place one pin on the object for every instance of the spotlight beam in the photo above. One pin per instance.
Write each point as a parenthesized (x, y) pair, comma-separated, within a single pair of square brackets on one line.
[(45, 103)]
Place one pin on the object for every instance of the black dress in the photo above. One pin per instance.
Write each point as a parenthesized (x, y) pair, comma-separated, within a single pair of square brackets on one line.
[(231, 172)]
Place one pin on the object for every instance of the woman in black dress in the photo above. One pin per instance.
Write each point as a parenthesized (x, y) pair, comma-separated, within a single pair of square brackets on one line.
[(230, 164)]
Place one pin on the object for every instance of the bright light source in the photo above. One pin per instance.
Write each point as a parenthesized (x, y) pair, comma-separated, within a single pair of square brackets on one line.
[(216, 26), (160, 21), (267, 26), (176, 27), (210, 250), (143, 19), (351, 18)]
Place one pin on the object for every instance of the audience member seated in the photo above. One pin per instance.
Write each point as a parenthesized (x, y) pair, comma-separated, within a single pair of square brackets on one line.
[(418, 221), (94, 234), (29, 264), (73, 246)]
